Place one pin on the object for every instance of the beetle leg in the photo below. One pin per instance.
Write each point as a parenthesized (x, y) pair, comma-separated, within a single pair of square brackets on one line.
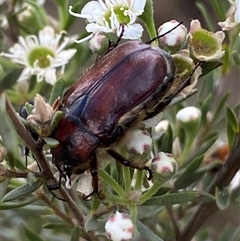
[(117, 156)]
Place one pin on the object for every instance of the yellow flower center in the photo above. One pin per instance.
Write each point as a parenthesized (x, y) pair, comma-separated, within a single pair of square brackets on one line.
[(41, 56), (121, 14)]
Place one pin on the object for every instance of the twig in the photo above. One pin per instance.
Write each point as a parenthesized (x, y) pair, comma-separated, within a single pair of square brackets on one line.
[(224, 177), (62, 215)]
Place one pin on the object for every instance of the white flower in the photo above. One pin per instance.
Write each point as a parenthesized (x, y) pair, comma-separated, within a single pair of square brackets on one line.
[(41, 55), (109, 17), (138, 142), (119, 227)]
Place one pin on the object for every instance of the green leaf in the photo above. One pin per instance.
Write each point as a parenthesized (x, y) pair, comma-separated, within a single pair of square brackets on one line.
[(220, 106), (61, 225), (91, 223), (193, 165), (204, 11), (172, 198), (29, 108), (188, 180), (208, 143), (207, 67), (147, 233), (75, 233), (147, 18), (57, 90), (230, 135), (3, 187), (223, 197), (8, 133), (32, 236), (10, 78), (22, 191), (56, 118), (205, 107), (232, 119), (12, 205)]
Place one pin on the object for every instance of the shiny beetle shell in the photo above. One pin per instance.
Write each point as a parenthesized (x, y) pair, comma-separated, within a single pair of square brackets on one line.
[(123, 87)]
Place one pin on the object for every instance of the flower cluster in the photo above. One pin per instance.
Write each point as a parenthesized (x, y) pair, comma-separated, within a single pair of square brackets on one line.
[(112, 16)]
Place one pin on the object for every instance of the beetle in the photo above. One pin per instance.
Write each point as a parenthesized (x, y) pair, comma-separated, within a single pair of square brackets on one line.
[(122, 88)]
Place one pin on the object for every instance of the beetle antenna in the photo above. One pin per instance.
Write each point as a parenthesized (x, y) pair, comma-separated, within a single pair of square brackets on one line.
[(169, 31)]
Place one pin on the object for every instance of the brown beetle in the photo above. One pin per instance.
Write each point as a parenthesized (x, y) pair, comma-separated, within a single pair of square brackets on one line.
[(122, 88)]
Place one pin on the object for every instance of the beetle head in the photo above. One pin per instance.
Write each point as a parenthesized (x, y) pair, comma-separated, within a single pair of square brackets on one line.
[(76, 144)]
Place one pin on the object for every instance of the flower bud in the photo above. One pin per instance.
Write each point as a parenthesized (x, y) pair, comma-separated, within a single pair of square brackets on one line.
[(138, 142), (41, 116), (205, 45), (174, 40), (99, 43), (189, 118), (188, 114), (119, 227), (164, 164)]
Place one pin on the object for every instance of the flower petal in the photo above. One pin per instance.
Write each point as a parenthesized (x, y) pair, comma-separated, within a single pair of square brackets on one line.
[(138, 6), (133, 31), (46, 36), (50, 76)]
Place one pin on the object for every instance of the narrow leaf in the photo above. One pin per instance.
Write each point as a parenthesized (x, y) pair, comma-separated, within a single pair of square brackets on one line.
[(172, 198), (22, 191), (232, 119), (188, 180), (9, 79), (147, 233), (57, 91), (12, 205), (90, 224), (32, 236), (75, 233), (219, 108)]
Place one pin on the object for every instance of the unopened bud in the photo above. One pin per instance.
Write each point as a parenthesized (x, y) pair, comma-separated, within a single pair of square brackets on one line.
[(138, 142), (174, 40), (99, 43), (164, 164), (119, 227), (41, 116)]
